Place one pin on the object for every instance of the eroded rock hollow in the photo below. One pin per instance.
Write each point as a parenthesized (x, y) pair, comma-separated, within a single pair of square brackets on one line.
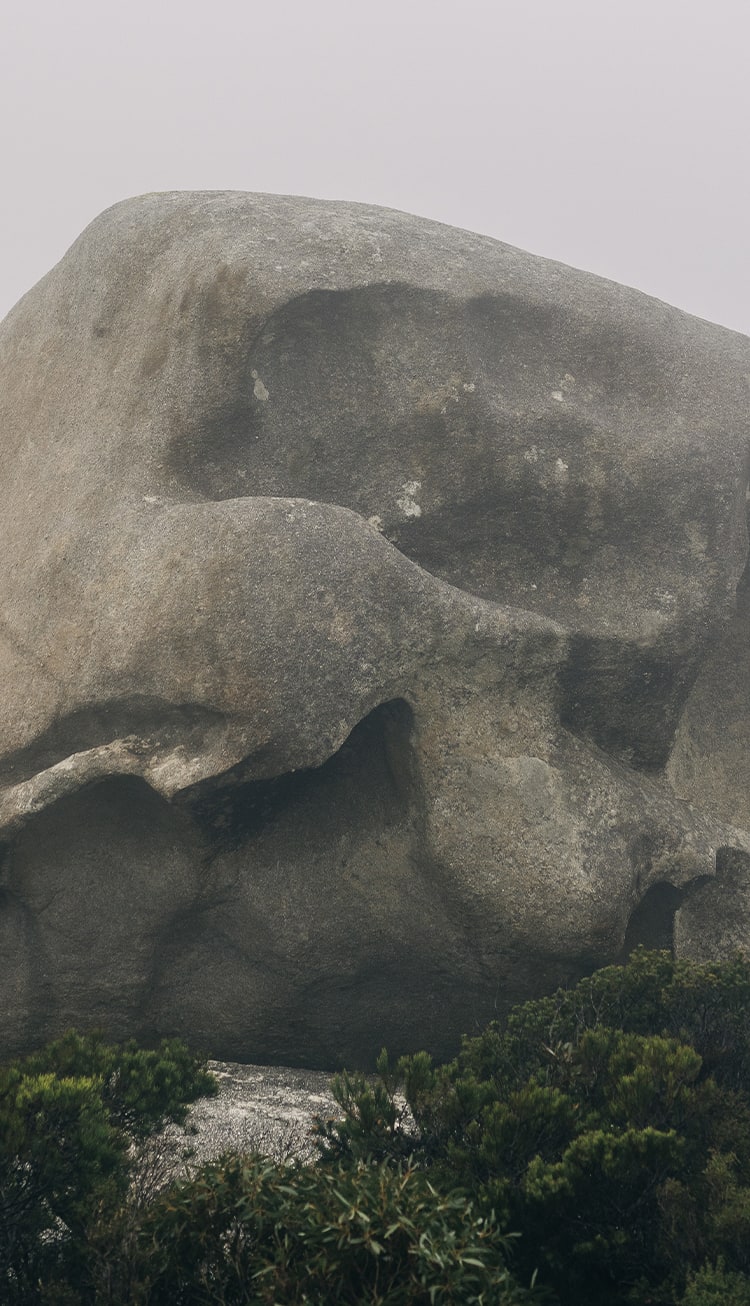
[(373, 638)]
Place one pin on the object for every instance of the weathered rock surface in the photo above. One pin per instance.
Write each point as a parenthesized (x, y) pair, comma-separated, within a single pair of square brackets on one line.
[(369, 648)]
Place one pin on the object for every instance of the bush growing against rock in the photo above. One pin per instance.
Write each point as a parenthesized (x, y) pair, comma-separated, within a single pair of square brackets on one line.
[(609, 1124)]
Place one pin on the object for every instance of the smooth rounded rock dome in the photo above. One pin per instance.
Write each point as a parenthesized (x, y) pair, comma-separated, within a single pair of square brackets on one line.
[(373, 631)]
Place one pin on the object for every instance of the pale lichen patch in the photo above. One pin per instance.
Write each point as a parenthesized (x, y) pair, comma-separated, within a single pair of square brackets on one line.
[(406, 500)]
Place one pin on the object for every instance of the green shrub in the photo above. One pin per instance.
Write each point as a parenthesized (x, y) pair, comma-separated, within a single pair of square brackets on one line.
[(714, 1285), (244, 1231), (609, 1124), (141, 1089), (69, 1116)]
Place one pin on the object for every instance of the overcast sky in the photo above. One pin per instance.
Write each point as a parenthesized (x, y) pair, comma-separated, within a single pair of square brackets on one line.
[(609, 135)]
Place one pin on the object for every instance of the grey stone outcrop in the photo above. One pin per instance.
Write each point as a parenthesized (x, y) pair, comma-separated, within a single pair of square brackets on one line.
[(373, 630)]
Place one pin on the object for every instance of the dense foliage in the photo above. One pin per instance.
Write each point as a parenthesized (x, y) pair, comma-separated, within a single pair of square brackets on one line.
[(71, 1117), (594, 1149), (608, 1124), (245, 1231)]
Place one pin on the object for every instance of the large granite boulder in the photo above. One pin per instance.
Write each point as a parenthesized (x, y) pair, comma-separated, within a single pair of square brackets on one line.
[(370, 649)]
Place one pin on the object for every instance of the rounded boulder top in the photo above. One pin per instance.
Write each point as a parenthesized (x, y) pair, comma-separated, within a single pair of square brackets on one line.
[(373, 629)]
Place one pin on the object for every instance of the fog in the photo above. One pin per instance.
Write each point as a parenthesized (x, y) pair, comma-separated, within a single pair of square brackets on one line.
[(609, 136)]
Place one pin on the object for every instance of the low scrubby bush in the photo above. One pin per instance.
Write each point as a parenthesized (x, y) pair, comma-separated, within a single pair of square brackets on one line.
[(243, 1231), (71, 1119), (608, 1124)]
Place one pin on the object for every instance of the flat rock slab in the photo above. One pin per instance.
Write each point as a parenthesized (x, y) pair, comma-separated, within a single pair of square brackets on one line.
[(267, 1109)]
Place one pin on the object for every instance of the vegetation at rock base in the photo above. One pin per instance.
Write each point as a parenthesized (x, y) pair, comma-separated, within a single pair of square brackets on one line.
[(609, 1125), (246, 1231), (593, 1149), (72, 1119)]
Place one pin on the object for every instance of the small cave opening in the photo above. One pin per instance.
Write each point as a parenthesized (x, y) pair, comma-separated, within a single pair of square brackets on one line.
[(651, 925), (367, 781)]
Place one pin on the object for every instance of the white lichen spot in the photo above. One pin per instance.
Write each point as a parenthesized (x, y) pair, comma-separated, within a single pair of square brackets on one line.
[(532, 455), (259, 390), (405, 501), (376, 521), (558, 396), (152, 499), (469, 387), (561, 472)]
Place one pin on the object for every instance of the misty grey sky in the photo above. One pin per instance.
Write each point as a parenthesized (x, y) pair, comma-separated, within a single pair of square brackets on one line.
[(609, 135)]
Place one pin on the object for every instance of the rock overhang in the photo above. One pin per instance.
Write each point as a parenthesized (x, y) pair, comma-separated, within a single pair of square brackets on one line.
[(271, 464)]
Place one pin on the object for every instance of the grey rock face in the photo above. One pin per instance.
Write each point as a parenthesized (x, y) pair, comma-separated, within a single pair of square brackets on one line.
[(369, 646)]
